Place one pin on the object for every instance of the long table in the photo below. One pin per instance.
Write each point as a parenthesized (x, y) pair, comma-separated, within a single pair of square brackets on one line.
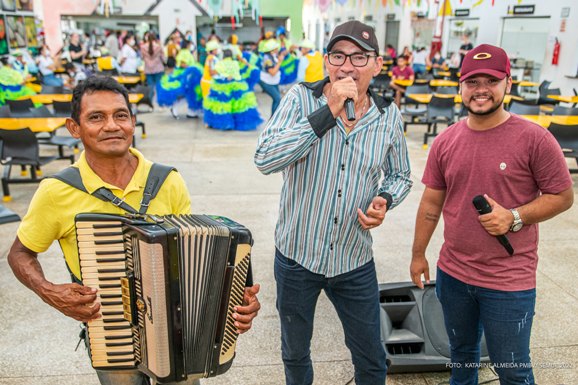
[(426, 98), (545, 120), (35, 124), (565, 99), (49, 98), (127, 79)]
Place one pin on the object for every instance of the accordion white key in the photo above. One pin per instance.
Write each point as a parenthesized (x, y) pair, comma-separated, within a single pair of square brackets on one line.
[(167, 287)]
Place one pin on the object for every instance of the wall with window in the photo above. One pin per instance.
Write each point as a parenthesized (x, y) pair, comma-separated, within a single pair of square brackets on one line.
[(531, 37)]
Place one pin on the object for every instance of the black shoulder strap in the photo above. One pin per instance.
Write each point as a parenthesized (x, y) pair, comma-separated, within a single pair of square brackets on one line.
[(157, 175), (70, 176)]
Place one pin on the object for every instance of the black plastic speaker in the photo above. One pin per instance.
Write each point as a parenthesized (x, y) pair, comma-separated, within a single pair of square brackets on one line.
[(413, 331)]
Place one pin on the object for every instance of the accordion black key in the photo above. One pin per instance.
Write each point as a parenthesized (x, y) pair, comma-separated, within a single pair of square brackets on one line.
[(167, 287)]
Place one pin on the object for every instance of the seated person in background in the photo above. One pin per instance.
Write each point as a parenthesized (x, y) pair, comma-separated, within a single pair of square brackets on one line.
[(75, 75), (390, 52), (19, 63), (400, 72), (46, 66), (438, 63), (420, 59), (128, 58)]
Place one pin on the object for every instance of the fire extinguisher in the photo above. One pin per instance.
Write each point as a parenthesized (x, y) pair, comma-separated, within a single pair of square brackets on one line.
[(556, 52)]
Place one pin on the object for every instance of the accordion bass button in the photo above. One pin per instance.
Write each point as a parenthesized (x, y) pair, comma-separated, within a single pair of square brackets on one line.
[(140, 305)]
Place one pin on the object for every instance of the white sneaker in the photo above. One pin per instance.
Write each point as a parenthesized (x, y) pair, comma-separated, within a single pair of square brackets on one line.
[(174, 113)]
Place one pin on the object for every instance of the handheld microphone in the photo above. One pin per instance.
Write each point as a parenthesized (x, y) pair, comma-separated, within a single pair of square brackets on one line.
[(349, 109), (484, 207)]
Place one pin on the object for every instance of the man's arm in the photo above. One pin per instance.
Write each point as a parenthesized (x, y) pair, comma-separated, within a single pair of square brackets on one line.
[(396, 182), (428, 215), (71, 299), (289, 136), (544, 207)]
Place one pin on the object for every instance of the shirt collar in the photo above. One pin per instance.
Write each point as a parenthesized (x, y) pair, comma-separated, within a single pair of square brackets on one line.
[(381, 102), (93, 182)]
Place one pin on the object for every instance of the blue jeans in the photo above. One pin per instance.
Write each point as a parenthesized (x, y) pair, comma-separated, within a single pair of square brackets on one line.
[(52, 80), (131, 377), (355, 296), (505, 317), (274, 93), (419, 68), (152, 81)]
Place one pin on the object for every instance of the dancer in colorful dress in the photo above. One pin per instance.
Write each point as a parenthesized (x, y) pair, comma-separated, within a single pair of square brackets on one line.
[(181, 83), (212, 48), (289, 65), (230, 104)]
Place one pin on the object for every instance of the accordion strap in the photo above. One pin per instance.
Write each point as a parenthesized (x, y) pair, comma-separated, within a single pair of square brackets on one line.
[(157, 175)]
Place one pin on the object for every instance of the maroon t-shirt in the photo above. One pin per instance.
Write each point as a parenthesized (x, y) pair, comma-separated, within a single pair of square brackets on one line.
[(402, 74), (513, 163)]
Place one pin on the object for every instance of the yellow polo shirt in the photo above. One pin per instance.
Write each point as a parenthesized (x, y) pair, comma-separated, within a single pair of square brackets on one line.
[(52, 210)]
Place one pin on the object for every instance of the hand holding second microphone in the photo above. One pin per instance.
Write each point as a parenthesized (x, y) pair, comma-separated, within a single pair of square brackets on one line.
[(495, 219)]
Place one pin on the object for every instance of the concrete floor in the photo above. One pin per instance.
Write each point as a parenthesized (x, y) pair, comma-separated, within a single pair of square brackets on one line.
[(37, 344)]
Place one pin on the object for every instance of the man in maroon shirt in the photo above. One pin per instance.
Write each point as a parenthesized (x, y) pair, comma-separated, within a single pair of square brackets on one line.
[(520, 169), (400, 72)]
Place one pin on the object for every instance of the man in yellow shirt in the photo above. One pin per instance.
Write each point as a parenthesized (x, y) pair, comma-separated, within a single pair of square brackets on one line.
[(310, 64), (102, 119)]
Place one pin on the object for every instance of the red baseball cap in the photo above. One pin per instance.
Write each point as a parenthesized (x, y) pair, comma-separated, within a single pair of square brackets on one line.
[(485, 59)]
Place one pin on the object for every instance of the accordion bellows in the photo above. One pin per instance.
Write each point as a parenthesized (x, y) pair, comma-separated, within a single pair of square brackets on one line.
[(167, 287)]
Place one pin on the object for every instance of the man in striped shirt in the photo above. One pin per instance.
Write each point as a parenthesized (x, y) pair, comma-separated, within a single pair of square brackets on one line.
[(340, 179)]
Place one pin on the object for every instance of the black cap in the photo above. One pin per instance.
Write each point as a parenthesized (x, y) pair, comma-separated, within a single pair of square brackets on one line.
[(361, 34)]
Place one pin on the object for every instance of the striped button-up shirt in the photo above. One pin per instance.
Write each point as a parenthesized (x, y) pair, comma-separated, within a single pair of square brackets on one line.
[(328, 174)]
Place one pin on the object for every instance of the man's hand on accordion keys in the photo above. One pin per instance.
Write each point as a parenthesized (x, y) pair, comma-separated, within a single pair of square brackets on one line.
[(245, 314), (73, 300)]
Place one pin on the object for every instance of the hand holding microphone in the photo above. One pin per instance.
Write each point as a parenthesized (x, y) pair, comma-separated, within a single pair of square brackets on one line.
[(342, 95), (483, 207)]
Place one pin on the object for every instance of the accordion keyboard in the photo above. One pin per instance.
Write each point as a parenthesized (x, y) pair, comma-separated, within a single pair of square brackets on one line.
[(101, 246)]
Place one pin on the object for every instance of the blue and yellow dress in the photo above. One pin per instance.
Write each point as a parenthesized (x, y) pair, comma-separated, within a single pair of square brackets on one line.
[(12, 85), (183, 82), (289, 65), (251, 72), (230, 105)]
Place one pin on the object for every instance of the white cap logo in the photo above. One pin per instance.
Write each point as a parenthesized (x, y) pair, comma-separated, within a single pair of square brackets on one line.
[(365, 35), (503, 166)]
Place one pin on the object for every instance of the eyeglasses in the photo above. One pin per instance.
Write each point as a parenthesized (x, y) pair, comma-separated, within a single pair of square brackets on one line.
[(357, 59), (475, 83)]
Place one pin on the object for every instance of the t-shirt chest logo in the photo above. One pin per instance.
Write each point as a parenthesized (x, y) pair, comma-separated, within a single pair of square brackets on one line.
[(503, 166)]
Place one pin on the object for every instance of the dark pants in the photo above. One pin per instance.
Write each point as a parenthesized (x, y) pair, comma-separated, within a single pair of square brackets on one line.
[(152, 81), (274, 93), (505, 318), (355, 296)]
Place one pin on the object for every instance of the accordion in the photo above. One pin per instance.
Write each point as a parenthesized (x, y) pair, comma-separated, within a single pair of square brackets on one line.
[(167, 287)]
